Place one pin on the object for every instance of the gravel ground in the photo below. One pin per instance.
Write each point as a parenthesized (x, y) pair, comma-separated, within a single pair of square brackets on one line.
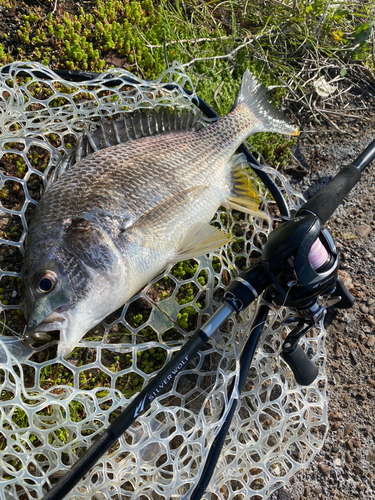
[(345, 467)]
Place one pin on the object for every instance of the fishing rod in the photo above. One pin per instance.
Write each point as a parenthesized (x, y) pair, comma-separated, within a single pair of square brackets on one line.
[(299, 265)]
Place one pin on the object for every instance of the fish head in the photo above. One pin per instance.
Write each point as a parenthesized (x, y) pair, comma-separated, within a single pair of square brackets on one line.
[(54, 283), (71, 282)]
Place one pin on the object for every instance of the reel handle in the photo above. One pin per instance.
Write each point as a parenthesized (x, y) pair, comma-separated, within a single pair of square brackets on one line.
[(347, 299), (304, 370)]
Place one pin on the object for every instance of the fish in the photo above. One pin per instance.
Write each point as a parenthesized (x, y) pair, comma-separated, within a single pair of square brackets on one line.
[(110, 223)]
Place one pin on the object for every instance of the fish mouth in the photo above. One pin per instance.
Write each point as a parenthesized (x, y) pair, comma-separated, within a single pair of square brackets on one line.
[(49, 329)]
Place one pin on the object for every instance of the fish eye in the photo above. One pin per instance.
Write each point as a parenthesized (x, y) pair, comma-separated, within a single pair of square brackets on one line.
[(47, 282)]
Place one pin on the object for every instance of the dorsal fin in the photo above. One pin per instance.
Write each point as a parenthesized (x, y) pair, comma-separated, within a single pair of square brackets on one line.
[(125, 127)]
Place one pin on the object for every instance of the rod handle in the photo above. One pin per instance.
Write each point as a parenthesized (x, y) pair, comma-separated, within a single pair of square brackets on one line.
[(324, 203)]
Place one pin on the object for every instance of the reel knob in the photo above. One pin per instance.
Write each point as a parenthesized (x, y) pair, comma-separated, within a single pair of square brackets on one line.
[(304, 370)]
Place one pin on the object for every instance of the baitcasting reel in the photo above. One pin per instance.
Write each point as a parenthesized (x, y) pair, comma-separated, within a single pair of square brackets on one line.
[(299, 266), (301, 261)]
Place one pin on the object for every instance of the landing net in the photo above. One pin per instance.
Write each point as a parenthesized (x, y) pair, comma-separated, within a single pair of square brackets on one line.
[(51, 409)]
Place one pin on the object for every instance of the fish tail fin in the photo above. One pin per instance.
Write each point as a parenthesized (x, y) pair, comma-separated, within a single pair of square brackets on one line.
[(254, 95)]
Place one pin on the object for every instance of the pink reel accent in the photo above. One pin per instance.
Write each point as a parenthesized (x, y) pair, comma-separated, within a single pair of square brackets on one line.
[(318, 254)]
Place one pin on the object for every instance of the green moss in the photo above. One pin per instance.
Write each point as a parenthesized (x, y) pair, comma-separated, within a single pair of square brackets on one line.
[(5, 57), (55, 374), (20, 418), (129, 384), (185, 270), (186, 293), (203, 278), (187, 318), (82, 41)]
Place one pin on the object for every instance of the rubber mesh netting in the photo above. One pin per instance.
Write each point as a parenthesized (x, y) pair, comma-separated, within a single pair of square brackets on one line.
[(51, 409)]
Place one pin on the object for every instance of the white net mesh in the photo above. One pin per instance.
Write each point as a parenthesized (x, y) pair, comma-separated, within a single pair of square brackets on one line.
[(51, 409)]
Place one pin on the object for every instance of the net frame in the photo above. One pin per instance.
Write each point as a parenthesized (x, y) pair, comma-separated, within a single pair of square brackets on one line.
[(46, 425)]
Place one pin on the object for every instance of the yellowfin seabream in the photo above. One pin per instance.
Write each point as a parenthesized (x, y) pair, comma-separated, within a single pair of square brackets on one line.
[(119, 216)]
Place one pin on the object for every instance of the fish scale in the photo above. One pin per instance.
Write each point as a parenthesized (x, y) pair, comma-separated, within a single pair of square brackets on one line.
[(127, 211)]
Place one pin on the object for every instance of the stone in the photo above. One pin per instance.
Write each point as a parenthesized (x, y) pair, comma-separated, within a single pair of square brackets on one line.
[(370, 341), (348, 429), (358, 470), (363, 308), (334, 426), (363, 349), (284, 494), (346, 278), (337, 415), (361, 296), (363, 230), (324, 469), (354, 443)]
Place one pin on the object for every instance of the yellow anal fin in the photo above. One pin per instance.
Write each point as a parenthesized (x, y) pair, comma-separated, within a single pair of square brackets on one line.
[(243, 196), (200, 239), (241, 204)]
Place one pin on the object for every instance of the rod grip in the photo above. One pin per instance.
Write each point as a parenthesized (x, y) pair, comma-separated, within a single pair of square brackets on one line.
[(324, 203)]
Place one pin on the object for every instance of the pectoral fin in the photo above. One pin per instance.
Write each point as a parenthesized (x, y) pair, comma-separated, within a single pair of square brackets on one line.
[(152, 227), (243, 196), (200, 239), (160, 216)]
